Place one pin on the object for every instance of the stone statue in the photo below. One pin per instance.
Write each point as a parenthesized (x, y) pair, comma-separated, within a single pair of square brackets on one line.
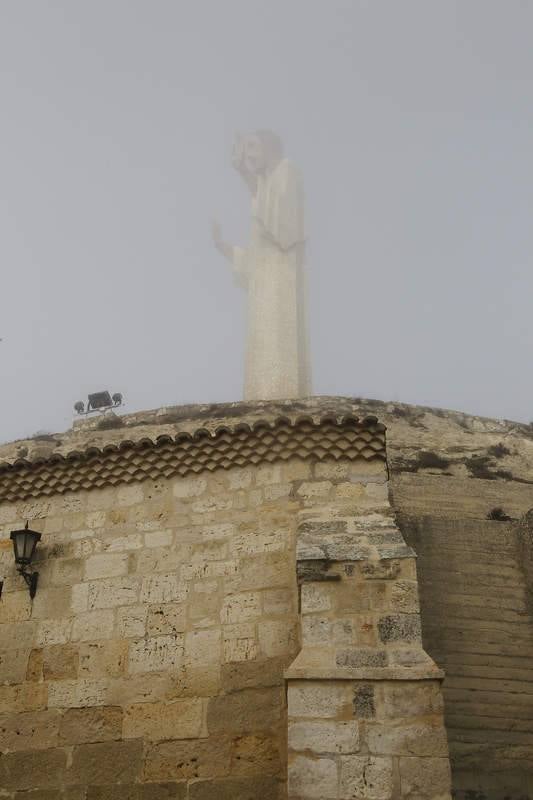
[(271, 270)]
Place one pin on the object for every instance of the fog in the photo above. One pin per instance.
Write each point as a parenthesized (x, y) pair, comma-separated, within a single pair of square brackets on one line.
[(412, 125)]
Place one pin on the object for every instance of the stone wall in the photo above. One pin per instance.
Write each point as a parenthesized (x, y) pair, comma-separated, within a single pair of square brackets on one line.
[(151, 661), (478, 626), (459, 486)]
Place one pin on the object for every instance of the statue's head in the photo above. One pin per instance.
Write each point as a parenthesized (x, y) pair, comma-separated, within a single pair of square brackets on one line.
[(256, 153)]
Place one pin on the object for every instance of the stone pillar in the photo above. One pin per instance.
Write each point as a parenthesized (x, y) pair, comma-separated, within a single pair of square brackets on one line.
[(364, 700)]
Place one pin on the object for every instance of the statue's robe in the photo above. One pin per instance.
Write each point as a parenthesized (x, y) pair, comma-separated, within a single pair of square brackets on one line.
[(271, 269)]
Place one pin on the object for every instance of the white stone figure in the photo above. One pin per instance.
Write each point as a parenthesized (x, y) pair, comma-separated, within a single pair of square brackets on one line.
[(271, 270)]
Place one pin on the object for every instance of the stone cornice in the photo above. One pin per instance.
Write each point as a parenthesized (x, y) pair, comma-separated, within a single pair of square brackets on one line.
[(330, 437)]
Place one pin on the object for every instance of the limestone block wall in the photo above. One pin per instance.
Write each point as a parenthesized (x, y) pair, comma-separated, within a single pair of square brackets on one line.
[(459, 486), (151, 662), (475, 588)]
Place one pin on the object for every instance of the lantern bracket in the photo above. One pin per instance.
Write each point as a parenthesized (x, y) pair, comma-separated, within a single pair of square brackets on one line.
[(31, 579)]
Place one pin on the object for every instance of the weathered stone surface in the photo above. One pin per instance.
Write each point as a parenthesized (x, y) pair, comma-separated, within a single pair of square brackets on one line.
[(404, 597), (156, 653), (162, 791), (266, 474), (16, 606), (150, 791), (23, 697), (364, 705), (414, 739), (67, 571), (36, 769), (105, 763), (315, 597), (137, 689), (93, 625), (50, 603), (186, 760), (189, 487), (279, 602), (263, 571), (130, 495), (313, 778), (60, 662), (167, 618), (181, 719), (325, 737), (253, 674), (158, 538), (74, 793), (112, 592), (361, 657), (106, 565), (34, 670), (116, 792), (319, 700), (131, 621), (334, 470), (160, 589), (366, 777), (79, 597), (240, 642), (77, 693), (256, 788), (85, 725), (120, 544), (400, 628), (13, 664), (256, 755), (277, 638), (249, 710), (405, 699), (53, 631), (103, 659), (425, 777), (241, 607), (313, 570), (35, 730), (382, 570), (203, 648)]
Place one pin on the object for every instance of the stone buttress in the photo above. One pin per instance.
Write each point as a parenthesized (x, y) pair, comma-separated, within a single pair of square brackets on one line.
[(365, 708)]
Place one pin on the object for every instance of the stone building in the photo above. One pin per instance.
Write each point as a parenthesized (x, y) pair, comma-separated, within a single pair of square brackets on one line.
[(228, 606)]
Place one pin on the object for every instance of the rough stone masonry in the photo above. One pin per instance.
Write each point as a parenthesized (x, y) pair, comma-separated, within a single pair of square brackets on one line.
[(227, 606)]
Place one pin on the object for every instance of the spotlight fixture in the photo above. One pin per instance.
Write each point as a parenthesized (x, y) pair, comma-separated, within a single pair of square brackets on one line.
[(24, 544), (98, 401)]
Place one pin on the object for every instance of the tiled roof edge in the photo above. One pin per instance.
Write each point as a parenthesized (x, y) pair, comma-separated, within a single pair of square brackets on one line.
[(331, 437)]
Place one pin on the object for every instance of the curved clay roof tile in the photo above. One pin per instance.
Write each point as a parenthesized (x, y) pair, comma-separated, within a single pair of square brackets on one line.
[(186, 453)]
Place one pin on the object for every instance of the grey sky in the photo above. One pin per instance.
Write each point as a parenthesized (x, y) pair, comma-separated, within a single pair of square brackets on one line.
[(412, 122)]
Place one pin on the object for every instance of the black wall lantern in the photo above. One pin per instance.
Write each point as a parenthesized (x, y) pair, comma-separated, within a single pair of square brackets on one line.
[(24, 544)]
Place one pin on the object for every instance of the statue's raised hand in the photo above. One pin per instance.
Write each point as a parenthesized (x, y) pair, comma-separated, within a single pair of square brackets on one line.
[(220, 244)]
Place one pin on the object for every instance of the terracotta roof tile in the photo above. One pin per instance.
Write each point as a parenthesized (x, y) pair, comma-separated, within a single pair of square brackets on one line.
[(128, 461)]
